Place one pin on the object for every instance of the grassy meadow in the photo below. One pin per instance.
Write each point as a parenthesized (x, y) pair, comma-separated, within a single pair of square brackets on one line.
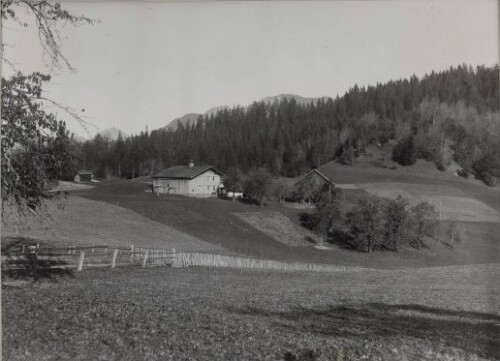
[(269, 231), (411, 307), (77, 221), (208, 314)]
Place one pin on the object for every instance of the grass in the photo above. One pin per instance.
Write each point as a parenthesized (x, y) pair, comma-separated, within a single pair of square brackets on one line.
[(86, 222), (368, 170), (204, 314), (160, 313), (214, 221), (451, 202), (278, 227)]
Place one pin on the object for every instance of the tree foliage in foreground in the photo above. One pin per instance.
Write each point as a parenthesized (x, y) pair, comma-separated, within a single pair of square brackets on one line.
[(35, 146), (33, 143)]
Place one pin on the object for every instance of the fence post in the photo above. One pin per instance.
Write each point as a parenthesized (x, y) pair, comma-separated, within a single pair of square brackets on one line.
[(173, 257), (145, 258), (131, 253), (80, 261), (113, 259)]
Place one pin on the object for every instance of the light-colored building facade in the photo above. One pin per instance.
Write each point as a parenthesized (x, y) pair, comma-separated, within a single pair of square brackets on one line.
[(194, 181)]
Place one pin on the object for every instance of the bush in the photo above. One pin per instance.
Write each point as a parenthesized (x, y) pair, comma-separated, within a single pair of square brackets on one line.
[(365, 222), (488, 168), (389, 225), (425, 153), (441, 166), (405, 152), (396, 220), (257, 185), (442, 161), (464, 173), (490, 180), (423, 223)]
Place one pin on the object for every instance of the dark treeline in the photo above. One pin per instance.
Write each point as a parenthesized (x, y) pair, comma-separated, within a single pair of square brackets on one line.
[(453, 114)]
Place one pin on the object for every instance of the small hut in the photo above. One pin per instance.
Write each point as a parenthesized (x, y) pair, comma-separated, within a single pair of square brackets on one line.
[(84, 176), (313, 183)]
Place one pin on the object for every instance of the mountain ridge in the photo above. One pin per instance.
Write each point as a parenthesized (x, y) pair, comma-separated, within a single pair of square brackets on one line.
[(192, 118)]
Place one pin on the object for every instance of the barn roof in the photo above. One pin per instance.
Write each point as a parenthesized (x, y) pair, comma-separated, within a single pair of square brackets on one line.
[(302, 178), (184, 171)]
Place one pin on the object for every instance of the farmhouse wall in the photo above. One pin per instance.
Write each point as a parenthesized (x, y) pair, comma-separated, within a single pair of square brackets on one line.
[(205, 184), (171, 186)]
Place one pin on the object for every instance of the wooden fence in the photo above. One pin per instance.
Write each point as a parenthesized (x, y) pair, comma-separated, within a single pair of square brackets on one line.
[(187, 259), (84, 257), (104, 256)]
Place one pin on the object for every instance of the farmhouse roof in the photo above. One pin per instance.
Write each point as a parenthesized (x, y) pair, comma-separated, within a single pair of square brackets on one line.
[(302, 178), (185, 172)]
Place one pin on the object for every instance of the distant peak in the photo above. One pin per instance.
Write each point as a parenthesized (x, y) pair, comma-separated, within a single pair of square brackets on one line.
[(192, 118), (298, 98), (111, 133)]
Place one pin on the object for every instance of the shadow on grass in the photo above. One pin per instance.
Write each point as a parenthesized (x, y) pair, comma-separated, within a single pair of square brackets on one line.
[(470, 331), (18, 264)]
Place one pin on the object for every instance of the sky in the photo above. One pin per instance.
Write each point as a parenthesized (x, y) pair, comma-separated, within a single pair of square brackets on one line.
[(146, 63)]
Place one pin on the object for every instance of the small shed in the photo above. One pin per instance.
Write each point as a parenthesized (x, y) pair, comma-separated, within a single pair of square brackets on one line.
[(312, 183), (84, 176)]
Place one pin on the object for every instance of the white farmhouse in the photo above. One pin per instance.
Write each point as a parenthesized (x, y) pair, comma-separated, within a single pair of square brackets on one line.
[(195, 181)]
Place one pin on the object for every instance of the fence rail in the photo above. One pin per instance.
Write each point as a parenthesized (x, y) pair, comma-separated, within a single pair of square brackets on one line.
[(34, 256), (187, 259), (104, 256)]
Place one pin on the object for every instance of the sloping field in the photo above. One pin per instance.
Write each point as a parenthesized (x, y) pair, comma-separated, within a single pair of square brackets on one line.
[(450, 202), (87, 222), (213, 220), (421, 174), (207, 314), (278, 227)]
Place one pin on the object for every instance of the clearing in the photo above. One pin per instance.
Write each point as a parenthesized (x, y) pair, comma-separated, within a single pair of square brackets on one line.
[(206, 314)]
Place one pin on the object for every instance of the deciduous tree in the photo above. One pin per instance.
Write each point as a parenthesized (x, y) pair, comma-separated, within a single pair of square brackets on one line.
[(366, 222), (28, 131)]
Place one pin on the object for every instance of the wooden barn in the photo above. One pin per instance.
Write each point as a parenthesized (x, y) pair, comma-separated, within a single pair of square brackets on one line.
[(84, 176), (191, 180), (312, 183)]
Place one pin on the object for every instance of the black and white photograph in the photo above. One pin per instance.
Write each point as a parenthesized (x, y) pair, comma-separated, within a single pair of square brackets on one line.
[(250, 180)]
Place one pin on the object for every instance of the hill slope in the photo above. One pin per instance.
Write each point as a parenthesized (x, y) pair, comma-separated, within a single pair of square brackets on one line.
[(215, 221), (83, 222)]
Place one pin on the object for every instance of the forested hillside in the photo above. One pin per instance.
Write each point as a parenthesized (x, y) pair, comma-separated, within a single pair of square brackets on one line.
[(453, 114)]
